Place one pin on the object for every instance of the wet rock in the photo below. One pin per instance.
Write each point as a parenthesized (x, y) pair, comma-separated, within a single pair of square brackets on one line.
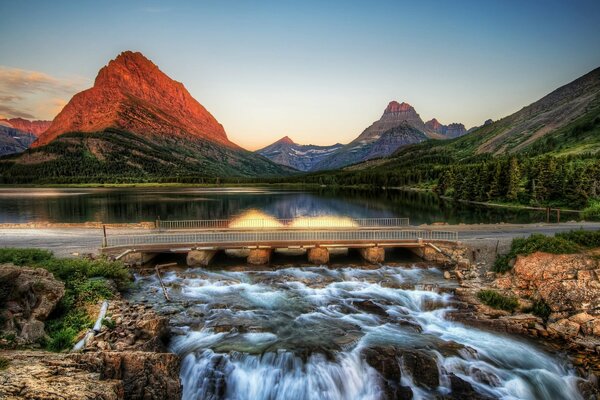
[(462, 389), (422, 367), (370, 307), (385, 360)]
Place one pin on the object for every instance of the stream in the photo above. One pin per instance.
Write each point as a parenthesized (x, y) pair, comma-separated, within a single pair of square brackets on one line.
[(343, 333)]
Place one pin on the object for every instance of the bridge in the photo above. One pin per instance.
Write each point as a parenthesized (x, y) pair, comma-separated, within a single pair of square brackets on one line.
[(256, 240)]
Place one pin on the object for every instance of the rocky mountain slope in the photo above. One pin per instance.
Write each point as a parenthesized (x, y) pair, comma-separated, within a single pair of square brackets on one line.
[(34, 127), (399, 126), (135, 123), (14, 141), (450, 131), (297, 156)]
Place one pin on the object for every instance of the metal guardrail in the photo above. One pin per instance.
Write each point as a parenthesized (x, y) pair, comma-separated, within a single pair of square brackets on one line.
[(291, 237), (298, 223)]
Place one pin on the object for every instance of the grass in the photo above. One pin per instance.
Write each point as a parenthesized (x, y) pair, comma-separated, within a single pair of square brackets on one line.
[(498, 301), (86, 282), (4, 363), (540, 309), (536, 242)]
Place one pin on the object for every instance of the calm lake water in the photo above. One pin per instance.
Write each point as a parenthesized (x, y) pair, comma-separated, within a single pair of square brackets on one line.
[(112, 205)]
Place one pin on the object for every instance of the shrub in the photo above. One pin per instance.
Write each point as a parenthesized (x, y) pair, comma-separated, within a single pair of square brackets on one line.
[(497, 300), (4, 363), (540, 309), (592, 211), (583, 238), (531, 244), (62, 331), (62, 340), (24, 256), (109, 323)]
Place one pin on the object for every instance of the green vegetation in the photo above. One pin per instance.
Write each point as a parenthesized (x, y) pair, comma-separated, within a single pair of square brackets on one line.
[(562, 243), (109, 323), (4, 363), (592, 211), (498, 301), (119, 157), (86, 282), (540, 308)]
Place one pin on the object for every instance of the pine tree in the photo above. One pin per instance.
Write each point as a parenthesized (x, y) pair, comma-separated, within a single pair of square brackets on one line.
[(514, 180)]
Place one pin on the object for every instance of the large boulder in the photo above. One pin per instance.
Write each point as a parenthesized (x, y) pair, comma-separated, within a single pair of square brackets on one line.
[(27, 297)]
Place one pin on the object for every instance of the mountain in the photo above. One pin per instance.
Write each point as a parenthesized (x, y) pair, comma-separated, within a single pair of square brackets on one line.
[(13, 140), (297, 156), (566, 122), (450, 131), (556, 123), (24, 125), (399, 126), (137, 123)]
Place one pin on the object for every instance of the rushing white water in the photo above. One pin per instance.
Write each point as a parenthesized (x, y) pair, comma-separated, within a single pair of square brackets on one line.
[(302, 333)]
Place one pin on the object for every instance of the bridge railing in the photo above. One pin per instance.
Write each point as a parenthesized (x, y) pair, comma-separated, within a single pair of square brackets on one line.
[(298, 223), (288, 237)]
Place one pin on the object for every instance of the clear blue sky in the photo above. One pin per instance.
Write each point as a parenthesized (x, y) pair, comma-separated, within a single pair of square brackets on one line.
[(318, 71)]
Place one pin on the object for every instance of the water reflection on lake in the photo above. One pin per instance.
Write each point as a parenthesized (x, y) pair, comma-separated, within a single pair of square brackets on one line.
[(112, 205)]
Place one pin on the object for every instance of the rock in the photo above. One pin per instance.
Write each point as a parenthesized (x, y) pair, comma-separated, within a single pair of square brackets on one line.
[(564, 328), (462, 389), (200, 258), (581, 318), (385, 360), (422, 367), (144, 375), (27, 297)]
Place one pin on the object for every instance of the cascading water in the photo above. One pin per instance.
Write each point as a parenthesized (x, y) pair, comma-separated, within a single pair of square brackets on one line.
[(303, 333)]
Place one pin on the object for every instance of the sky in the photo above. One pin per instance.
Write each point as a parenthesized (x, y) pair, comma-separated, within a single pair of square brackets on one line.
[(317, 71)]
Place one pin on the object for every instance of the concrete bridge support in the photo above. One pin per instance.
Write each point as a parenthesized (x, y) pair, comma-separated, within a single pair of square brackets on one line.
[(318, 255), (200, 258), (138, 258), (259, 256), (373, 255)]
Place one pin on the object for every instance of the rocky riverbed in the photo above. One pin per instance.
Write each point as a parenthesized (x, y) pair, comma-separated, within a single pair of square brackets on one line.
[(128, 358)]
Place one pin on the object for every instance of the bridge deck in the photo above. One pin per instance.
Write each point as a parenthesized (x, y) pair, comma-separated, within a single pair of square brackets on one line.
[(167, 242)]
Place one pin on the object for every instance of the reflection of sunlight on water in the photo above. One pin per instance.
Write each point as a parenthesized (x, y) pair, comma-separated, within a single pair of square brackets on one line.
[(37, 193), (259, 219), (255, 219), (328, 221)]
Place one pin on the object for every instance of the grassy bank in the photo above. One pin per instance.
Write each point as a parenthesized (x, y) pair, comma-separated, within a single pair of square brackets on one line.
[(86, 282)]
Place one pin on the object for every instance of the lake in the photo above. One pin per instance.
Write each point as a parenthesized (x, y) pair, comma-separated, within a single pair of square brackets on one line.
[(119, 205)]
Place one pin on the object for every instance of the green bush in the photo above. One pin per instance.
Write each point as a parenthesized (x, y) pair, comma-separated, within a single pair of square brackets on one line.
[(592, 211), (24, 256), (109, 323), (62, 331), (588, 239), (497, 300), (4, 363), (531, 244), (540, 309)]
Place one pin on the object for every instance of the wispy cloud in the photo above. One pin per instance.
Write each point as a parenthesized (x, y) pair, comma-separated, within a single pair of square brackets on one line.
[(29, 94)]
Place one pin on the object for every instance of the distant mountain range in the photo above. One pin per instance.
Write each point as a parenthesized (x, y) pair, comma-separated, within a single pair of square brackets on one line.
[(297, 156), (400, 125), (17, 134), (138, 124)]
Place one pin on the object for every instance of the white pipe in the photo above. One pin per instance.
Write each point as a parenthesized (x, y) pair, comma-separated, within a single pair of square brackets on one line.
[(103, 309), (81, 344)]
